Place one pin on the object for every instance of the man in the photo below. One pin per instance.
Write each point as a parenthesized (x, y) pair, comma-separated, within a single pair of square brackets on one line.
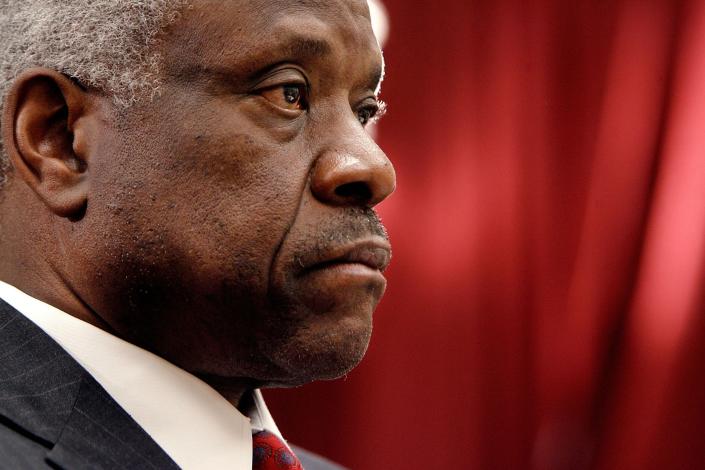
[(186, 217)]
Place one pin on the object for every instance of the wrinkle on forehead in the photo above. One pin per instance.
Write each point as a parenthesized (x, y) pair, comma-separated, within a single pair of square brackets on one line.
[(216, 32), (357, 7)]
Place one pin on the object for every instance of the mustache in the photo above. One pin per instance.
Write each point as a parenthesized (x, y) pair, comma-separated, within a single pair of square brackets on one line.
[(349, 226)]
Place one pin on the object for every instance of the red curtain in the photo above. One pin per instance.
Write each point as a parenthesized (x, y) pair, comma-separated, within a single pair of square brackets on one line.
[(545, 307)]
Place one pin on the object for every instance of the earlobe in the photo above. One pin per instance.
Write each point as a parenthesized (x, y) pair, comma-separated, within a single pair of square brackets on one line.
[(41, 133)]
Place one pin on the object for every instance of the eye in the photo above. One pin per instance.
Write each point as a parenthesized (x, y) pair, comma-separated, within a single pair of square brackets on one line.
[(371, 113), (292, 97), (365, 114)]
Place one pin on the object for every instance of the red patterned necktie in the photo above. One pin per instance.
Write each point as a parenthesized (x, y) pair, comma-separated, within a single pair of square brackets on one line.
[(270, 453)]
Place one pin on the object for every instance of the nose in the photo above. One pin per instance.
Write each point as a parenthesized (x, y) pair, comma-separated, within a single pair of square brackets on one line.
[(355, 172)]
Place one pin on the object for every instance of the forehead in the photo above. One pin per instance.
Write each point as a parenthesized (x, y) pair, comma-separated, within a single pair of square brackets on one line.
[(215, 33)]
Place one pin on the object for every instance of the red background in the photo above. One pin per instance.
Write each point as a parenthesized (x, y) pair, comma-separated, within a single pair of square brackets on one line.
[(545, 305)]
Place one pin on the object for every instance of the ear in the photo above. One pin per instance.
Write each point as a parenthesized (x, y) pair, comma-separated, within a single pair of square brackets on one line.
[(44, 135)]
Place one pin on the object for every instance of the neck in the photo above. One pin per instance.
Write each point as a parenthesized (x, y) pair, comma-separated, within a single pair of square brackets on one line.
[(236, 391), (39, 279), (29, 240)]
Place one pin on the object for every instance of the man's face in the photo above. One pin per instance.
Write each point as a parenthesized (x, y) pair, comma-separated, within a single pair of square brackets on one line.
[(229, 223)]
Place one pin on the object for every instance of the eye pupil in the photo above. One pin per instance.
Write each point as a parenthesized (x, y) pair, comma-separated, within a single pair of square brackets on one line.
[(364, 116), (292, 94)]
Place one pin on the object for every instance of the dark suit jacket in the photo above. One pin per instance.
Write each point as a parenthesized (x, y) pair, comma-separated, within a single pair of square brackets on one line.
[(53, 414)]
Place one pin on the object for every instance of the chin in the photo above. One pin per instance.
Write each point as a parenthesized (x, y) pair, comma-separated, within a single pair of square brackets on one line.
[(325, 349), (323, 323)]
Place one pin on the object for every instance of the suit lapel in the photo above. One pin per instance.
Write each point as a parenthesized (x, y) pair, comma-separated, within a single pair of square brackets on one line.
[(48, 394), (38, 380), (100, 434)]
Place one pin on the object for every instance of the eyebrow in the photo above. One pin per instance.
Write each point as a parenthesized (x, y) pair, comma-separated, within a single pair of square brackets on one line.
[(314, 48), (300, 46), (291, 47)]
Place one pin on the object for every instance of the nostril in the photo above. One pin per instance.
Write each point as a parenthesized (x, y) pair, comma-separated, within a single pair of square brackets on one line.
[(356, 192)]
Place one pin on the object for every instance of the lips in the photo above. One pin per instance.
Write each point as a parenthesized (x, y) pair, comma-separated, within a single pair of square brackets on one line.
[(374, 253)]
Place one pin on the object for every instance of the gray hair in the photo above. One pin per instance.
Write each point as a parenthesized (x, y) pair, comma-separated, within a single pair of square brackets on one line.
[(104, 44)]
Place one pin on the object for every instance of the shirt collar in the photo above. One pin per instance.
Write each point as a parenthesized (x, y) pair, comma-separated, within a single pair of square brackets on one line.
[(186, 417)]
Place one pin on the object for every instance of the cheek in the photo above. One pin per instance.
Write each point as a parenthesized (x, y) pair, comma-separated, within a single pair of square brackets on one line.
[(238, 201), (216, 202)]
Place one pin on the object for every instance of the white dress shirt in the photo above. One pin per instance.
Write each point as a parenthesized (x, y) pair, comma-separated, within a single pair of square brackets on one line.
[(187, 418)]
